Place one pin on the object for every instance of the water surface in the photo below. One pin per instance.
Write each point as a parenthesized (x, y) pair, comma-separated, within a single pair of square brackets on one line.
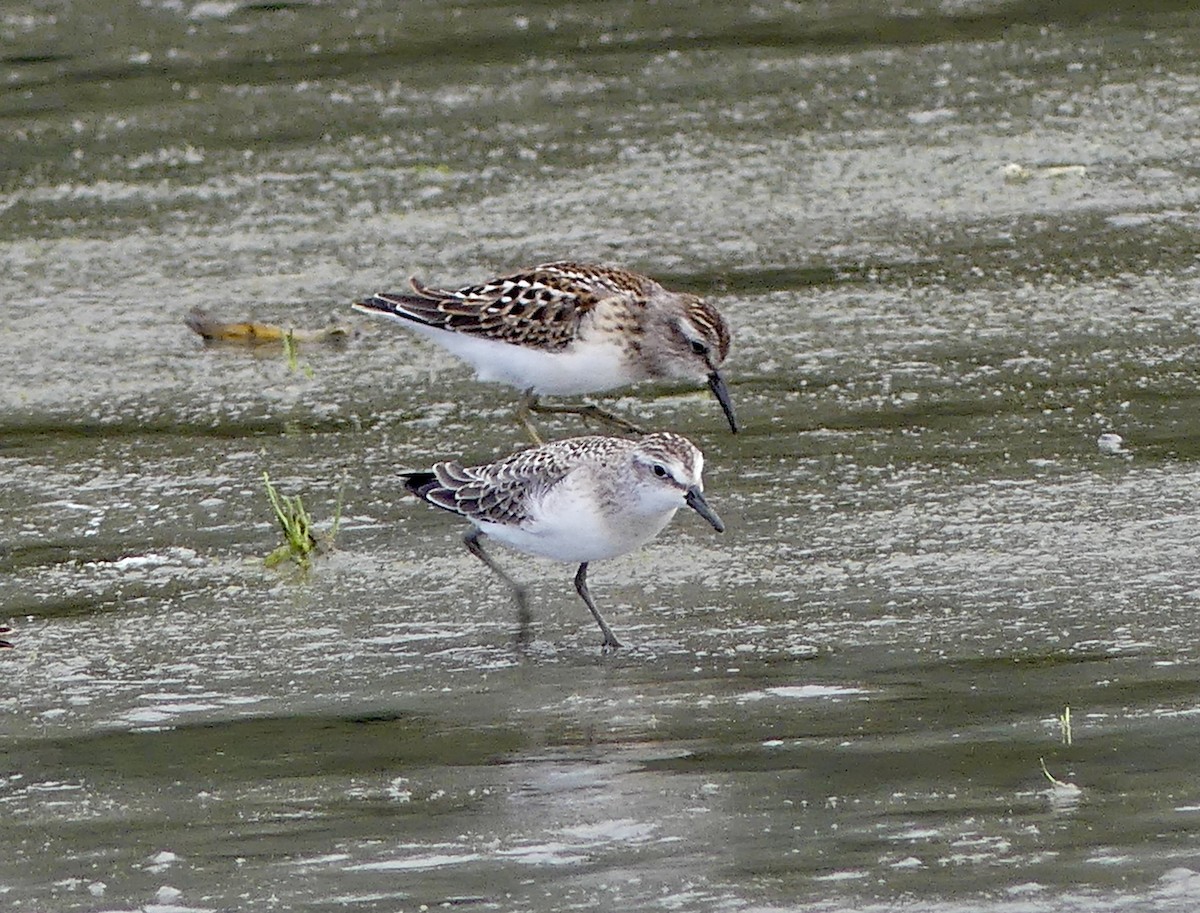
[(845, 701)]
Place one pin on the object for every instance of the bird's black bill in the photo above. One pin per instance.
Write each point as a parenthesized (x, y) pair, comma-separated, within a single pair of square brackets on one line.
[(695, 500), (716, 383)]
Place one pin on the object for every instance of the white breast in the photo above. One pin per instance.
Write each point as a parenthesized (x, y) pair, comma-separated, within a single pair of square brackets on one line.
[(570, 524), (590, 368)]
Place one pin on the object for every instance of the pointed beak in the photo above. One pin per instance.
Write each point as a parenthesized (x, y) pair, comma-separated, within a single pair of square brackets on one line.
[(695, 500), (717, 384)]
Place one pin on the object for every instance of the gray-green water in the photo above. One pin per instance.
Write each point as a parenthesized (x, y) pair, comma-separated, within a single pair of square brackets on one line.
[(842, 702)]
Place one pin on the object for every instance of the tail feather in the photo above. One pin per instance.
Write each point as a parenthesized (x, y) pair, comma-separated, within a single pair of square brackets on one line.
[(431, 489), (401, 306), (420, 483), (421, 304)]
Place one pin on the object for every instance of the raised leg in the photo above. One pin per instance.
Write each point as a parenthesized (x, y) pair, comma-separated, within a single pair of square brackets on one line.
[(581, 587), (524, 616)]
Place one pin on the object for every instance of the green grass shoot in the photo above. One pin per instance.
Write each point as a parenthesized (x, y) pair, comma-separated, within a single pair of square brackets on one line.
[(290, 351), (1063, 789), (301, 541), (1064, 725)]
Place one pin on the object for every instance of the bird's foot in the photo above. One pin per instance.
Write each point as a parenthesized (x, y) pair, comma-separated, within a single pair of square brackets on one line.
[(591, 412)]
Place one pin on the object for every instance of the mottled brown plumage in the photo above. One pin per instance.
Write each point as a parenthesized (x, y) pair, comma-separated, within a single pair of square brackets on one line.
[(569, 328)]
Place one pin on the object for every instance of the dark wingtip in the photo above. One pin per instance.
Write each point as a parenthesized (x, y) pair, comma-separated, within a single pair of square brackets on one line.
[(376, 304), (402, 306), (419, 483)]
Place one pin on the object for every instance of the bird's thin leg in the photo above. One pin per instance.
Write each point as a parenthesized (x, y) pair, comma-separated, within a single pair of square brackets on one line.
[(588, 411), (582, 588), (525, 407), (524, 616)]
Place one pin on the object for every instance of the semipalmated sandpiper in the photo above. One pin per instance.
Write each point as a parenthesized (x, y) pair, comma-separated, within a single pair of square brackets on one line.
[(579, 500)]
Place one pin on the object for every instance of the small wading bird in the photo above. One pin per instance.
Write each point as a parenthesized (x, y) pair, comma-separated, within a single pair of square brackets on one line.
[(565, 329), (579, 500)]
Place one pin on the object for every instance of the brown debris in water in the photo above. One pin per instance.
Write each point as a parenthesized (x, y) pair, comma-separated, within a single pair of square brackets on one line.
[(250, 333)]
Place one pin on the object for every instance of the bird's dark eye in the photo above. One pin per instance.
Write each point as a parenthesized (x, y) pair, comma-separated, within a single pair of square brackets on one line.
[(660, 470), (699, 348)]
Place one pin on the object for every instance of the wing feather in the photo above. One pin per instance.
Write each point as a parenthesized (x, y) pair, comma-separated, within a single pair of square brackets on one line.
[(499, 492), (540, 307)]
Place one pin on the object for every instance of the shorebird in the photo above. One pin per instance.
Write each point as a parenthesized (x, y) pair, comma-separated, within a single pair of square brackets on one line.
[(579, 500), (565, 329)]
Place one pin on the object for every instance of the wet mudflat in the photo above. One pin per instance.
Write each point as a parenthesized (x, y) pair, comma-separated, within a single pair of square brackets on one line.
[(845, 701)]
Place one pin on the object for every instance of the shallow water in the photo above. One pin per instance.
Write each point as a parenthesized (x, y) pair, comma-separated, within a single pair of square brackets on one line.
[(844, 702)]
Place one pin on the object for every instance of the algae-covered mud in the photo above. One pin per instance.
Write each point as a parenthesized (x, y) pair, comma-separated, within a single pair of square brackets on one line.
[(957, 246)]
